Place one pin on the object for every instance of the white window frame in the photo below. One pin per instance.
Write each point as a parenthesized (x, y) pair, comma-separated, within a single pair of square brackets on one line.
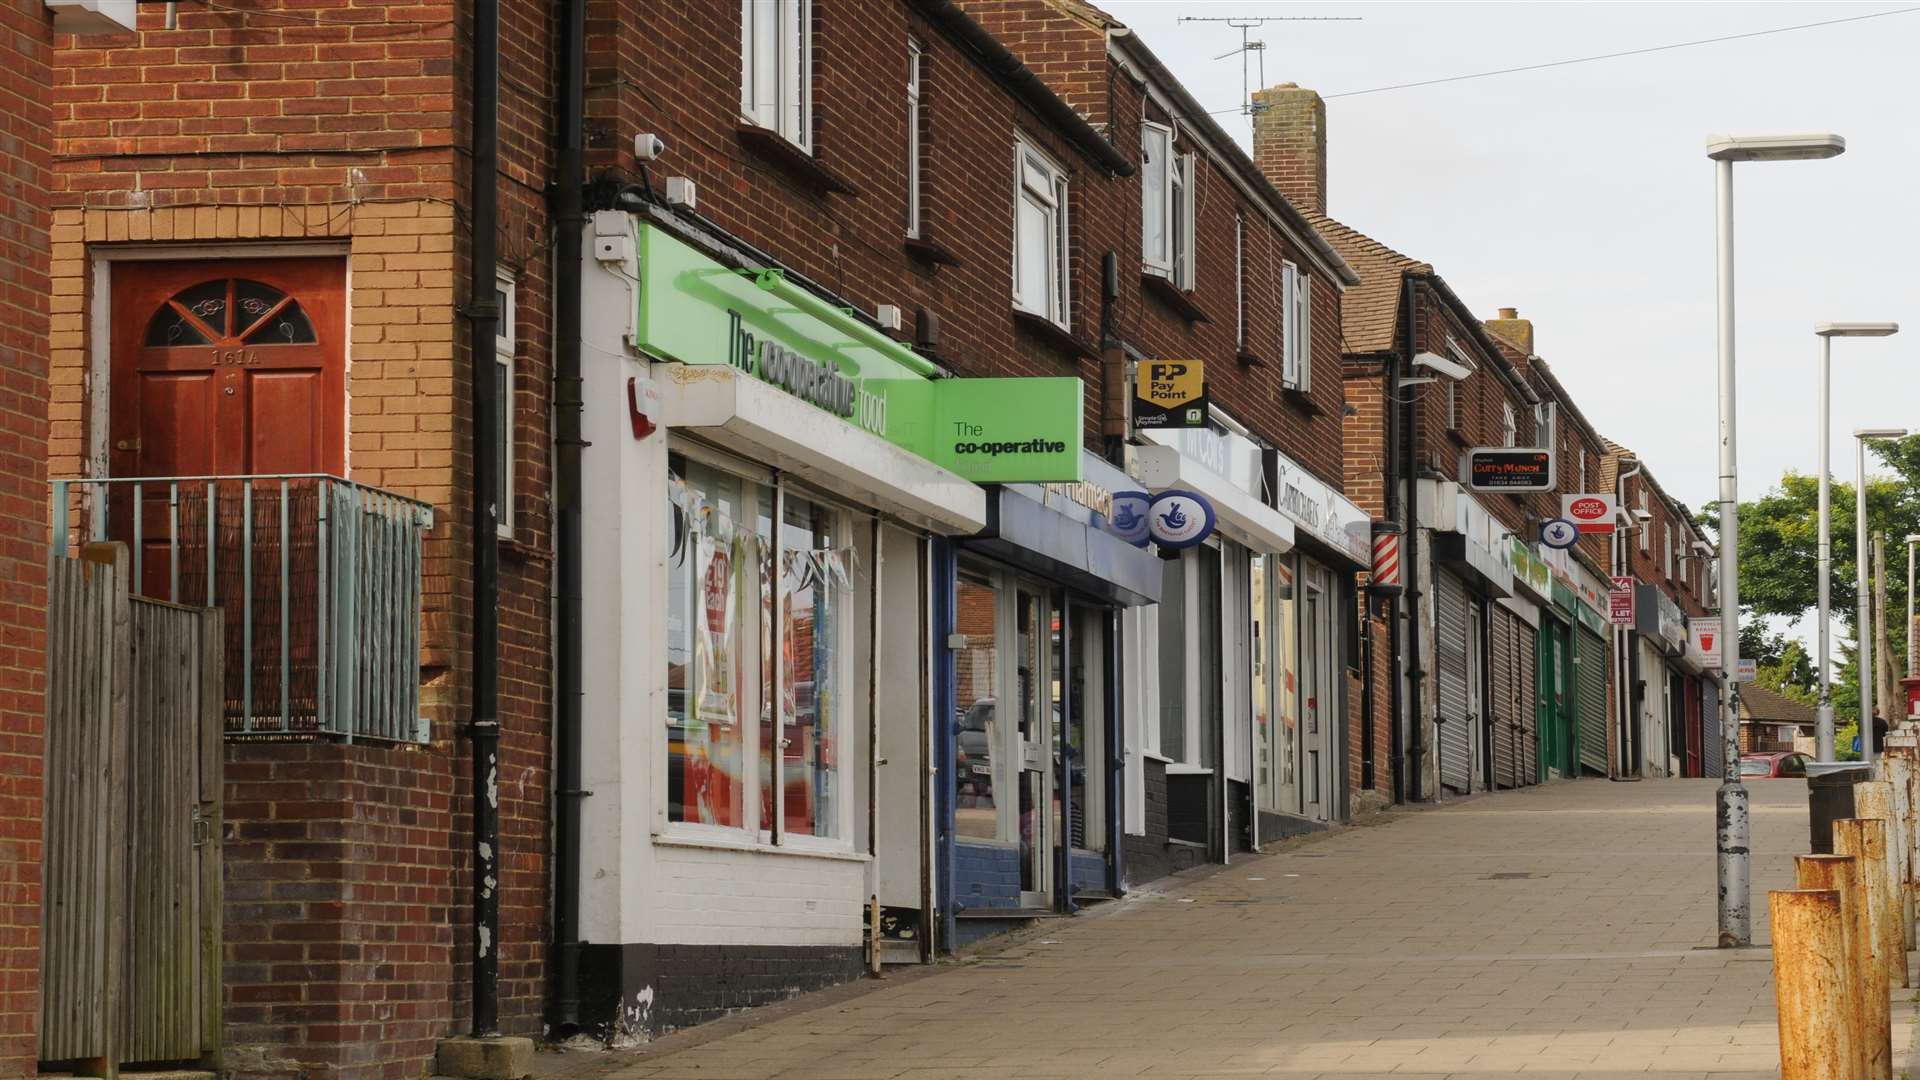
[(1296, 328), (505, 361), (1158, 258), (1583, 470), (1544, 425), (776, 67), (1509, 425), (1666, 550), (1645, 526), (1040, 182), (1180, 227), (916, 54), (1240, 281)]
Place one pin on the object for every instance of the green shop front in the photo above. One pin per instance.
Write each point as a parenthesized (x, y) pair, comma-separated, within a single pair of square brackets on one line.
[(770, 490), (1549, 670)]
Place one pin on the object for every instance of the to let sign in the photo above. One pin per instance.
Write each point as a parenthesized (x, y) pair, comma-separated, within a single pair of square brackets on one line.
[(1620, 602), (1507, 468)]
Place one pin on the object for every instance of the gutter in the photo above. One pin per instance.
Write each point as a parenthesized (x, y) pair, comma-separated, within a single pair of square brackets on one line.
[(1002, 64), (1479, 332), (1252, 182)]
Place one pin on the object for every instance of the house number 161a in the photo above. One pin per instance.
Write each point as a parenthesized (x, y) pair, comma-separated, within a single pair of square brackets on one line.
[(230, 357)]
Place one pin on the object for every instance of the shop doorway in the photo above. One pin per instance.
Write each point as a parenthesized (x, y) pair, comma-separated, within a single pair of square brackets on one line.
[(1556, 716), (1320, 691)]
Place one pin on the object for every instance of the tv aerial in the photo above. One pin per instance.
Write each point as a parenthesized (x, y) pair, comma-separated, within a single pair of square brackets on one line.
[(1250, 48)]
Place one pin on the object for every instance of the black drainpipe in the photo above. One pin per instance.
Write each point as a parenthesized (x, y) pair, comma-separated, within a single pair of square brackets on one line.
[(483, 315), (1410, 559), (570, 219), (1396, 609)]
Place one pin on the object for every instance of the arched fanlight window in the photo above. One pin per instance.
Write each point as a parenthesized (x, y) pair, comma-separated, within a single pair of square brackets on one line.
[(229, 311)]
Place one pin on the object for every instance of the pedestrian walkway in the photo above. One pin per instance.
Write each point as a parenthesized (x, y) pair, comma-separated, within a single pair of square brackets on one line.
[(1560, 931)]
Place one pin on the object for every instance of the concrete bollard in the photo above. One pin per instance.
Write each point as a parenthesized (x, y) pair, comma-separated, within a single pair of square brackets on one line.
[(1873, 800), (1866, 840), (1811, 985), (1867, 1002)]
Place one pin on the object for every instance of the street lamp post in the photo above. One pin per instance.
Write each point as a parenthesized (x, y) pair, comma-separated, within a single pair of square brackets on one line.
[(1864, 599), (1823, 713), (1732, 835)]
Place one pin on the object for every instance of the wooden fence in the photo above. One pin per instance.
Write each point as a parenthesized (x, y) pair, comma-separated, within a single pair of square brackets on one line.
[(130, 963)]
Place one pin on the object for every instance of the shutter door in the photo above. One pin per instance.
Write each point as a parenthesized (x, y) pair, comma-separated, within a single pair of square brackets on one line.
[(1450, 673), (1504, 709), (1711, 751), (1526, 661), (1593, 663)]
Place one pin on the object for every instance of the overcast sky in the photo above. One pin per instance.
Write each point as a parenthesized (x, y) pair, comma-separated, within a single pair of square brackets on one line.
[(1582, 195)]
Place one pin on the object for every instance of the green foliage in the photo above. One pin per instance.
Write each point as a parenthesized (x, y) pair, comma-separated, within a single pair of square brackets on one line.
[(1779, 556), (1790, 674)]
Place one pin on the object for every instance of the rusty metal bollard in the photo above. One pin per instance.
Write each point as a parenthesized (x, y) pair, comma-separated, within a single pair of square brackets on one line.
[(1866, 1001), (1811, 984), (1873, 801), (1866, 839), (1898, 766)]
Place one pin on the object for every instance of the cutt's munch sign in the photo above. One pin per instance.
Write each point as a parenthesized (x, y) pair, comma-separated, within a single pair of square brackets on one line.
[(1506, 468)]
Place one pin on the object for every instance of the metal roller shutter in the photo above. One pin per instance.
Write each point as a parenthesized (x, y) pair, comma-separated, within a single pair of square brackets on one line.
[(1592, 662), (1450, 674), (1711, 750), (1501, 709), (1526, 661)]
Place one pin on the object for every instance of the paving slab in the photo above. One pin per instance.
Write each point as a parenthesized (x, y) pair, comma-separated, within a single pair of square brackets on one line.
[(1559, 931)]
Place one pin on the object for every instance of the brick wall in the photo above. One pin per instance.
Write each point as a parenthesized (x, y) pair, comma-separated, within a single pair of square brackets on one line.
[(1290, 143), (26, 43), (346, 125)]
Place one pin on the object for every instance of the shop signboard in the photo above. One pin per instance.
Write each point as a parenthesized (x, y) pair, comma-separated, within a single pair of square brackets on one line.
[(1703, 642), (1558, 533), (1170, 394), (1660, 619), (1508, 469), (1590, 513), (1531, 571), (691, 309), (1316, 507)]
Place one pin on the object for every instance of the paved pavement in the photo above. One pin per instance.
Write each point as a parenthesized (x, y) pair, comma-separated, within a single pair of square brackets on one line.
[(1562, 931)]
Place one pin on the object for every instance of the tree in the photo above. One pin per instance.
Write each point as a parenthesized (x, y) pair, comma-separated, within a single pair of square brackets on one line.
[(1779, 551)]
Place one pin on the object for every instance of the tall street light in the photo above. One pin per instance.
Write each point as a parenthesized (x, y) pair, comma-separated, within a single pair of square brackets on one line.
[(1733, 833), (1865, 601), (1823, 748)]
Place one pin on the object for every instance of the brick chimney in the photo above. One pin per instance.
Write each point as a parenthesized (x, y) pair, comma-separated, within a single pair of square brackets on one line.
[(1290, 143), (1513, 328)]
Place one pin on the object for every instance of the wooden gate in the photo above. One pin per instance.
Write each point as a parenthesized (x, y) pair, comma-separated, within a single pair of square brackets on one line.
[(130, 965)]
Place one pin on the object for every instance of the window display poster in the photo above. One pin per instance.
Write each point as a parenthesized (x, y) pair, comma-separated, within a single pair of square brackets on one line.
[(718, 695)]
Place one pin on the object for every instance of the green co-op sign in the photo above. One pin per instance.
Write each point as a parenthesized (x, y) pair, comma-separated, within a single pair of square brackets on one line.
[(696, 311)]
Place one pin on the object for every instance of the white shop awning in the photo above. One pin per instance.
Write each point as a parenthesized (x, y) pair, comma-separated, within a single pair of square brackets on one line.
[(1237, 514), (751, 418)]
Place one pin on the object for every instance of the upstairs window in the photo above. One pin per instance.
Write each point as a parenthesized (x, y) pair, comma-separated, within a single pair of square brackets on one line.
[(505, 338), (1039, 236), (1166, 206), (1543, 433), (1646, 524), (1509, 425), (1666, 550), (776, 67), (914, 52), (1240, 281), (1296, 329)]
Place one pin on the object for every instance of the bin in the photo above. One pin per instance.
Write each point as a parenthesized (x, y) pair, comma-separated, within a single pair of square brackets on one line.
[(1829, 799)]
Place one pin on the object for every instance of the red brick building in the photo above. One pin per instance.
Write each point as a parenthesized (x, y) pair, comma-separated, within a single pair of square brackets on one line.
[(260, 263), (26, 47)]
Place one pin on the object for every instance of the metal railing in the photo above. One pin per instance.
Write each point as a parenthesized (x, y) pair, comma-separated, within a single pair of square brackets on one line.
[(320, 579)]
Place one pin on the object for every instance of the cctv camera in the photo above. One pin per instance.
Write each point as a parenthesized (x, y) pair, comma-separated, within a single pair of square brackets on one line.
[(648, 147), (1442, 366)]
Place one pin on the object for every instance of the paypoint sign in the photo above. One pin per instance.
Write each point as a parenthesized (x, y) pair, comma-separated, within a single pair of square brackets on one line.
[(1170, 394)]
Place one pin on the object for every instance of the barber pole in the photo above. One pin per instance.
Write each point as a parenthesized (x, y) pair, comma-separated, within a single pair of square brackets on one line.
[(1386, 558)]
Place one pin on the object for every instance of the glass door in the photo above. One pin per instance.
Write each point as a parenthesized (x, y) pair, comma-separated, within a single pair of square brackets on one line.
[(1319, 691), (1033, 744)]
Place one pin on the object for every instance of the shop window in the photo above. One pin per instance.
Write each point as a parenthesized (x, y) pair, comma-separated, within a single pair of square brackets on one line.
[(1040, 236), (976, 666), (1296, 330), (504, 349), (915, 55), (1276, 683), (776, 67), (742, 600)]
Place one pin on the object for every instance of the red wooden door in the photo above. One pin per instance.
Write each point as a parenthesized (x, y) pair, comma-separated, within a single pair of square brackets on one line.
[(228, 367), (232, 368)]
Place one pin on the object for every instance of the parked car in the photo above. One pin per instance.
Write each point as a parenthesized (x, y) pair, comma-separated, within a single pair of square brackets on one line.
[(1774, 766)]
